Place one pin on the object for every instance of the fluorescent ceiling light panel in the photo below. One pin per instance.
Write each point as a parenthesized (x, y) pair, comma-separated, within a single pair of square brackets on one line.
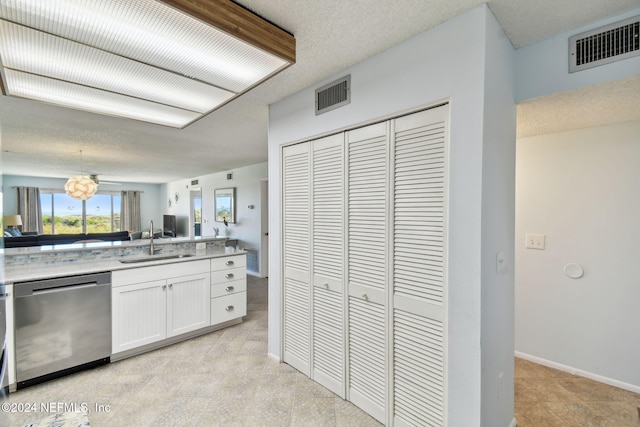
[(135, 59), (69, 95)]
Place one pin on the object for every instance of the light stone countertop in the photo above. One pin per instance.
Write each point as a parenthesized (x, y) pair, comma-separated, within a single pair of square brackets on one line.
[(36, 271), (44, 249)]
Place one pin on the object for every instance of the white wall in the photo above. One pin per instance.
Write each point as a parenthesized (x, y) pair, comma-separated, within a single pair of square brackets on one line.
[(149, 197), (580, 189), (543, 68), (246, 180), (444, 63), (498, 223)]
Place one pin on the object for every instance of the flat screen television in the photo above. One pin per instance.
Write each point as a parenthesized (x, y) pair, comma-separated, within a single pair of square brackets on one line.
[(169, 228)]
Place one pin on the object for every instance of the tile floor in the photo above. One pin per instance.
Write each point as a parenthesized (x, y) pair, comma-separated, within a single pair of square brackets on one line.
[(226, 379), (223, 378), (546, 397)]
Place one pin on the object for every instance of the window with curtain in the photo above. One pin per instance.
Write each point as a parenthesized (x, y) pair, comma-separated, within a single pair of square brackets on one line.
[(130, 211), (29, 208)]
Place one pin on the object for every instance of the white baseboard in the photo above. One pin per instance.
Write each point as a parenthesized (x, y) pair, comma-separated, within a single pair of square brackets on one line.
[(578, 372), (514, 423), (273, 357)]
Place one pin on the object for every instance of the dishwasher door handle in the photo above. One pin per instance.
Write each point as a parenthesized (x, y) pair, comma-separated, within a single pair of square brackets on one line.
[(64, 288)]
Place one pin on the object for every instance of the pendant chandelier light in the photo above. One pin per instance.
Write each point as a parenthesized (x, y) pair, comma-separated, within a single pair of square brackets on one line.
[(80, 187)]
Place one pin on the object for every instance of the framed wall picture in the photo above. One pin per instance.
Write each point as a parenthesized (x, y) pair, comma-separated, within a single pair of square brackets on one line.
[(225, 204)]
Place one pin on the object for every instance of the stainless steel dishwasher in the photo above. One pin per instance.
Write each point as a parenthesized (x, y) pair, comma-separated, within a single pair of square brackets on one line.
[(63, 325)]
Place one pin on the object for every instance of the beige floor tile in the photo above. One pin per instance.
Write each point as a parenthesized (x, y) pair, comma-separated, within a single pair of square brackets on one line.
[(545, 396), (268, 412), (225, 378), (313, 411), (349, 415)]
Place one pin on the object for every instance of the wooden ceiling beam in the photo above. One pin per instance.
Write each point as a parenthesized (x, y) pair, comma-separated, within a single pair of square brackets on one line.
[(241, 23)]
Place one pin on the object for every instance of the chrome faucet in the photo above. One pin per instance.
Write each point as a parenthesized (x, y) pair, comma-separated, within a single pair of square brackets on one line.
[(151, 248)]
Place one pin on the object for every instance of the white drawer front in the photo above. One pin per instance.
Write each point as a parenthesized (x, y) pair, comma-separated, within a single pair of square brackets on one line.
[(229, 275), (222, 289), (228, 307), (228, 262)]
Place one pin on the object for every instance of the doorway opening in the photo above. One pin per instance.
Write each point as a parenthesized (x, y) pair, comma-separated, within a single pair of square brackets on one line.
[(195, 215)]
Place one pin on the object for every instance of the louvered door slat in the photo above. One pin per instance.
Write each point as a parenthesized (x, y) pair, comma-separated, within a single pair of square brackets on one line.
[(367, 189), (296, 321), (418, 370), (328, 344), (367, 192), (418, 268), (328, 213), (416, 201), (367, 383), (296, 236)]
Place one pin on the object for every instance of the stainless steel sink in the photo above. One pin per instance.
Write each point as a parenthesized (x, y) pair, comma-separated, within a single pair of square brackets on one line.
[(154, 258)]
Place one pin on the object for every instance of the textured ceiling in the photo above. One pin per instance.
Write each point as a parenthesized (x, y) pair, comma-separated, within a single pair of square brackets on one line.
[(331, 35), (596, 105)]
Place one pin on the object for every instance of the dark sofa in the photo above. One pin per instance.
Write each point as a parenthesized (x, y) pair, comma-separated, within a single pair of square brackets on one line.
[(60, 239)]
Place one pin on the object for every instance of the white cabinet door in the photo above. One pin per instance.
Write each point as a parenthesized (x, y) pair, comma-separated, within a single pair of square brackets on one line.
[(188, 306), (296, 235), (368, 234), (328, 357), (139, 314)]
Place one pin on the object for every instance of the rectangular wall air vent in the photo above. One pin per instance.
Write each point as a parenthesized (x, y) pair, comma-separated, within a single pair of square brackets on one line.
[(604, 45), (333, 95), (194, 182)]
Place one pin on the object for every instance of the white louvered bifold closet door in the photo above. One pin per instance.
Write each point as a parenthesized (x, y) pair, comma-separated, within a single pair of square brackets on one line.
[(367, 222), (418, 268), (328, 357), (296, 250)]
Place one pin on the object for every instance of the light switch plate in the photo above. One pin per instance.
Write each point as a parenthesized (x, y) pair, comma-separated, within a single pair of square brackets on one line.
[(535, 241)]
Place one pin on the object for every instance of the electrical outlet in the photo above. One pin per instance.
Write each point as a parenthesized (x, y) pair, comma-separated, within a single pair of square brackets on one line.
[(535, 241)]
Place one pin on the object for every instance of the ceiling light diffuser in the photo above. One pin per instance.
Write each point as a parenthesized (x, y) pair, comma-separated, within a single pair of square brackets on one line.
[(166, 62)]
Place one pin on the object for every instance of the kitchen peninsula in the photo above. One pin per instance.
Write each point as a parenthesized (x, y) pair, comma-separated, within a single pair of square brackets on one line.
[(188, 287)]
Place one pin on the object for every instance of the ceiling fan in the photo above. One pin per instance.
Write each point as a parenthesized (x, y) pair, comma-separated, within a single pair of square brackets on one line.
[(98, 181)]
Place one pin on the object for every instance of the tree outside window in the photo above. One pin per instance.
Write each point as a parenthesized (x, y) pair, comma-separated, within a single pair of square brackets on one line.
[(62, 214)]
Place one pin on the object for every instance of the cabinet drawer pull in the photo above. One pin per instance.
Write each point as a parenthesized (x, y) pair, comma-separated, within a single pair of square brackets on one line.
[(326, 286), (228, 276), (170, 285), (365, 297), (228, 288), (228, 263), (229, 308), (164, 287)]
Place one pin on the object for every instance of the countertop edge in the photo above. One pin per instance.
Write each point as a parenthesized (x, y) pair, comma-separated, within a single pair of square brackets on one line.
[(48, 271)]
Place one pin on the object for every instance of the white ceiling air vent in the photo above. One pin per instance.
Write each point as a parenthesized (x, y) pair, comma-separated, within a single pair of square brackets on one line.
[(333, 95), (603, 45)]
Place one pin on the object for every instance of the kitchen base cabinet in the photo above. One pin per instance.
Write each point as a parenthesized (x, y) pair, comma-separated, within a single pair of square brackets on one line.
[(228, 289), (228, 307), (139, 315), (187, 308), (158, 305), (173, 300)]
